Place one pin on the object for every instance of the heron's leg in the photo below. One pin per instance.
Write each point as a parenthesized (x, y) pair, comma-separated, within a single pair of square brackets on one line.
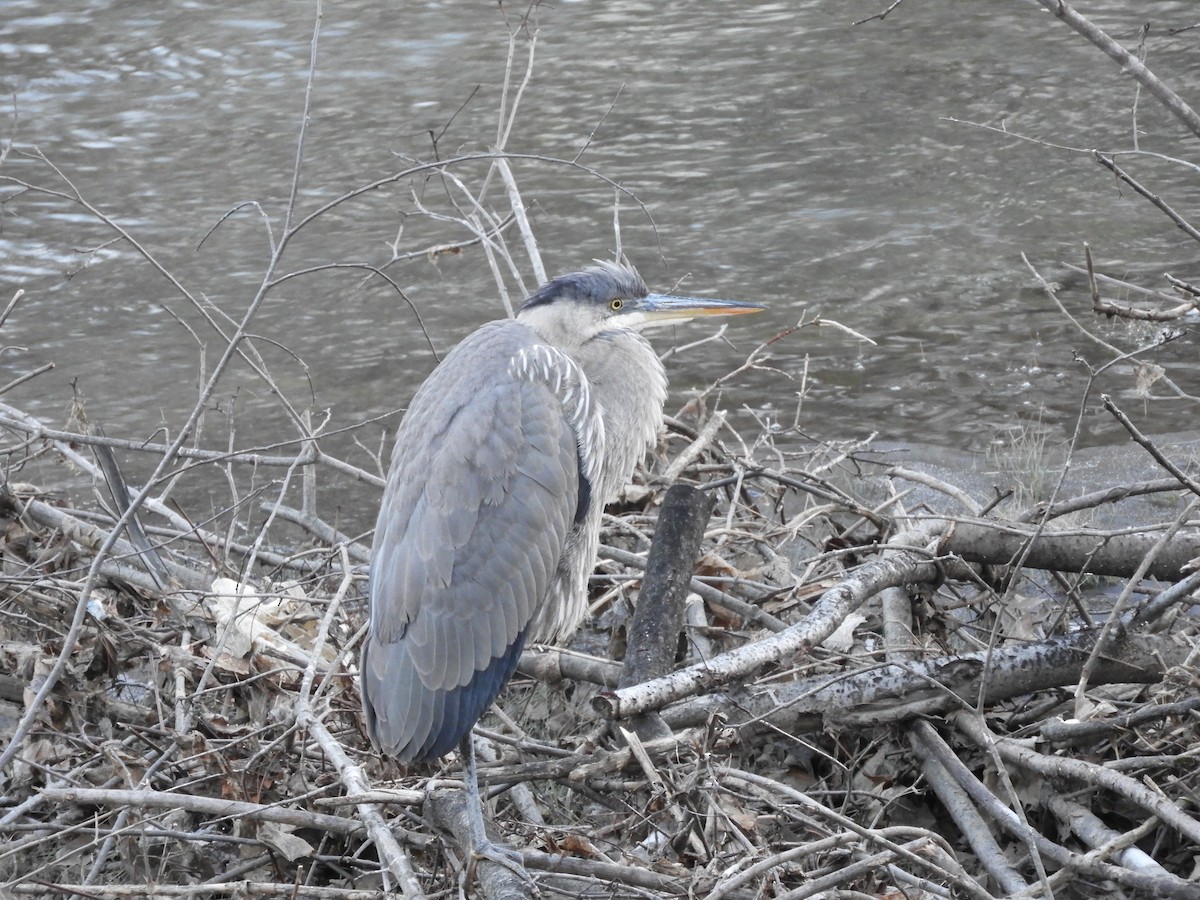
[(481, 846)]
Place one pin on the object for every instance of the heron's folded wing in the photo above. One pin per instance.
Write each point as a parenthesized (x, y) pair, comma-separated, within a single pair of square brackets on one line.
[(480, 498)]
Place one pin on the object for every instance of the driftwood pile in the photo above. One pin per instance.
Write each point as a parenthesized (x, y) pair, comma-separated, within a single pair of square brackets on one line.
[(805, 675), (801, 693)]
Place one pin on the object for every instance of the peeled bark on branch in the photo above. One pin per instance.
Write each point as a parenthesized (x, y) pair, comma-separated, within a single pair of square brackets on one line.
[(899, 691)]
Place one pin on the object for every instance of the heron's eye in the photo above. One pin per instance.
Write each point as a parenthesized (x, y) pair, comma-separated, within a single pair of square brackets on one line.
[(615, 305)]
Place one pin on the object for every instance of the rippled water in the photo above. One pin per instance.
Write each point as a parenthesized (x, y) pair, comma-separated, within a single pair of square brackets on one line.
[(784, 155)]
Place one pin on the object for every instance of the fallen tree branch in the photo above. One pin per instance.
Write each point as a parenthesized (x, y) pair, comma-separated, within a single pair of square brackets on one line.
[(1082, 771), (91, 537), (894, 692), (582, 767), (906, 566), (115, 798), (1088, 865), (653, 635), (234, 889), (1079, 550), (391, 855), (752, 614), (552, 665), (1091, 500), (883, 838), (653, 641), (1058, 731), (603, 872), (965, 814), (1089, 828)]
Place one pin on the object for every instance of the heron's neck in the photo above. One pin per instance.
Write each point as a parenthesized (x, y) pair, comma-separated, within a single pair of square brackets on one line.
[(547, 322), (628, 382)]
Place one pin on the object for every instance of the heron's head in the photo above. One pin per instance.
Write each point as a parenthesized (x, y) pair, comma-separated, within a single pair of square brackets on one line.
[(607, 296)]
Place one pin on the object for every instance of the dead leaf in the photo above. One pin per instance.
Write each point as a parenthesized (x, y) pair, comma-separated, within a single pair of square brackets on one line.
[(578, 845), (1144, 377), (712, 564), (280, 838), (843, 638)]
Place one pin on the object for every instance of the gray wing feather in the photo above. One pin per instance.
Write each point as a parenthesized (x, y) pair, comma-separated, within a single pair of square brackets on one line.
[(479, 502)]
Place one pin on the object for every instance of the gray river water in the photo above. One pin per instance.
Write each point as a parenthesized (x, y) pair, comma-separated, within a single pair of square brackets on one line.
[(784, 154)]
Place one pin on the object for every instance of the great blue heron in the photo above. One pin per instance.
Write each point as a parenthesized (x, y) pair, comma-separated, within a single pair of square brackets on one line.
[(490, 520)]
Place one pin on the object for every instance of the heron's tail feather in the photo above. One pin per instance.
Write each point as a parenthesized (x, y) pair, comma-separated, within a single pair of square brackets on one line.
[(415, 723)]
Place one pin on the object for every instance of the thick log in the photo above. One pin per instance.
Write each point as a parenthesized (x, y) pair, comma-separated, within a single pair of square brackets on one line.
[(898, 691), (1078, 550), (653, 635), (654, 632)]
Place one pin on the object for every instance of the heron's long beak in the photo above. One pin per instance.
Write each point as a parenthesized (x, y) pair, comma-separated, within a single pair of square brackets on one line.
[(664, 307)]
